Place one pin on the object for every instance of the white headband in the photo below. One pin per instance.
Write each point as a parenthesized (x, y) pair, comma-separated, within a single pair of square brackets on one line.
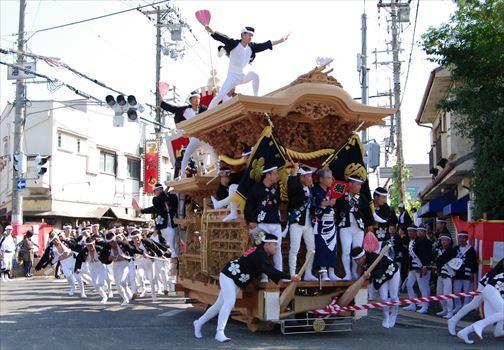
[(245, 30), (265, 171), (360, 255), (265, 240), (355, 179)]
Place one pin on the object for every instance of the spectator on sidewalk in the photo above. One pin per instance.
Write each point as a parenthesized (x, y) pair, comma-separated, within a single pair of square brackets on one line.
[(26, 253)]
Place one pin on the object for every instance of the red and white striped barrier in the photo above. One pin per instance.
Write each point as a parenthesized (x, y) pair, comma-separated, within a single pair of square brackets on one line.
[(334, 309)]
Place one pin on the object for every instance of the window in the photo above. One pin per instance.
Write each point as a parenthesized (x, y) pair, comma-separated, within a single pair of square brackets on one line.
[(59, 140), (134, 168), (5, 146), (107, 162), (78, 146)]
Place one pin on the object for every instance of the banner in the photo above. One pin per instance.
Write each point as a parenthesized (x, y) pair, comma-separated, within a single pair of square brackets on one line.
[(151, 165)]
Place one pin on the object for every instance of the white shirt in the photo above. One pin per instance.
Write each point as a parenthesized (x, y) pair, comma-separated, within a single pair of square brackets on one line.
[(239, 57), (155, 238), (8, 244), (57, 254), (189, 113)]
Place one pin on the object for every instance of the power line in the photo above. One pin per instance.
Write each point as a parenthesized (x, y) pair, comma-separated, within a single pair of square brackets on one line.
[(410, 54), (92, 19)]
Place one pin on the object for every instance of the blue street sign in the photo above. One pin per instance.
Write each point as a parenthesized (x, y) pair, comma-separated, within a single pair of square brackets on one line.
[(21, 184)]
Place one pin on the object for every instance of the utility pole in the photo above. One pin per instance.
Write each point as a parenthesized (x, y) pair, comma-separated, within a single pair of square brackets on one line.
[(395, 14), (364, 68), (20, 105), (158, 68)]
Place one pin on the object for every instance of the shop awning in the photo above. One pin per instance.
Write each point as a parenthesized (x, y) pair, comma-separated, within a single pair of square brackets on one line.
[(431, 208), (457, 207)]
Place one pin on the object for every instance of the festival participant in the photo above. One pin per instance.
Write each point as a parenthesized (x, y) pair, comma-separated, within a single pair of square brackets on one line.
[(465, 279), (300, 215), (7, 253), (351, 219), (120, 252), (64, 255), (404, 219), (146, 249), (236, 275), (262, 210), (386, 279), (383, 215), (491, 287), (165, 206), (241, 52), (92, 256), (161, 268), (325, 229), (445, 253), (185, 112), (420, 253), (230, 180), (398, 247)]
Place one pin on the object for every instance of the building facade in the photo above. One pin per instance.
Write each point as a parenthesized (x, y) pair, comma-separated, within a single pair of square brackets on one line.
[(93, 169), (450, 156)]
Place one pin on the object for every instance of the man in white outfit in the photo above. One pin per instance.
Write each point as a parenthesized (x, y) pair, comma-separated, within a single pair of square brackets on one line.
[(241, 52), (7, 252)]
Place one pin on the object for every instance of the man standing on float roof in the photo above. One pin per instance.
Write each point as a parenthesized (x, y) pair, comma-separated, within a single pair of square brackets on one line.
[(241, 52)]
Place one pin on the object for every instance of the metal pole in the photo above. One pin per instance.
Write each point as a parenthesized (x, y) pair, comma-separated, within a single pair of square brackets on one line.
[(397, 101), (158, 68), (363, 69), (20, 105)]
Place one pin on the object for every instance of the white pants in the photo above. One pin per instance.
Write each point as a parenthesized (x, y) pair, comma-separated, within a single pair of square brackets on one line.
[(233, 80), (110, 278), (423, 285), (224, 304), (98, 273), (227, 201), (160, 273), (493, 307), (67, 267), (132, 276), (389, 291), (7, 261), (296, 232), (170, 236), (444, 286), (191, 148), (462, 286), (274, 229), (121, 271), (467, 308), (350, 237), (145, 269)]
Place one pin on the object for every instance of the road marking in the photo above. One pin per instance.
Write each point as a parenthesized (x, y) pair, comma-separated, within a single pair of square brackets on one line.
[(171, 313)]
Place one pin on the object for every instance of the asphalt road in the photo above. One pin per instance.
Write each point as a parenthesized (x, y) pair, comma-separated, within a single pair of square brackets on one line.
[(38, 314)]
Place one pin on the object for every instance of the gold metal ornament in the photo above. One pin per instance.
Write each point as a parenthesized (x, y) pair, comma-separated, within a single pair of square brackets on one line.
[(319, 325), (257, 169), (356, 170)]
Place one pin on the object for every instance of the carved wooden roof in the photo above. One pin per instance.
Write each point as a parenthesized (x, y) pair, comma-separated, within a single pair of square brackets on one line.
[(311, 113)]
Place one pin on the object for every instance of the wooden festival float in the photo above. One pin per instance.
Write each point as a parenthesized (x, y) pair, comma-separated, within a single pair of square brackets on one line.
[(311, 116)]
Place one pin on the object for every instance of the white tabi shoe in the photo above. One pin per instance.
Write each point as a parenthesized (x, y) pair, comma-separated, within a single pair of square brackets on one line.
[(221, 337), (423, 310), (309, 277), (478, 330), (125, 303), (441, 313), (464, 335), (104, 300), (71, 292), (448, 315), (83, 295), (197, 330), (411, 307), (215, 202), (452, 326)]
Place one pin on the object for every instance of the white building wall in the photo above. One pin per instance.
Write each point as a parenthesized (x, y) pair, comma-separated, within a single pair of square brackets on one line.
[(73, 138)]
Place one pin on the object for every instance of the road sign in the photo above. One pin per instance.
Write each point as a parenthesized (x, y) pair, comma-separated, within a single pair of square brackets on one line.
[(21, 183), (13, 73)]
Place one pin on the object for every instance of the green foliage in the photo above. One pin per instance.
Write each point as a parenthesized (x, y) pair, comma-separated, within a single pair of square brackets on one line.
[(394, 197), (471, 45)]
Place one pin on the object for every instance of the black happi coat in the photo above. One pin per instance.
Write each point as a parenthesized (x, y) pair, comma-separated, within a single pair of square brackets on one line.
[(470, 265), (423, 249), (128, 248), (441, 261), (165, 207), (84, 253), (252, 264), (46, 258), (178, 111), (300, 202), (385, 213), (399, 248), (230, 44), (151, 248), (384, 270), (495, 277), (262, 205), (361, 211)]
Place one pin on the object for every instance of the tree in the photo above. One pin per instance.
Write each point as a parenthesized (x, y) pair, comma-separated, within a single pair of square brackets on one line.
[(471, 45), (409, 203)]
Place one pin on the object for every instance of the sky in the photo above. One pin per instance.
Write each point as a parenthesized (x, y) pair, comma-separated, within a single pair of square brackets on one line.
[(120, 50)]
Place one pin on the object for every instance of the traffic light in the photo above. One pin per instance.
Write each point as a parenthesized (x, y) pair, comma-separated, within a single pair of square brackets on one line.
[(120, 105), (19, 163), (40, 170)]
